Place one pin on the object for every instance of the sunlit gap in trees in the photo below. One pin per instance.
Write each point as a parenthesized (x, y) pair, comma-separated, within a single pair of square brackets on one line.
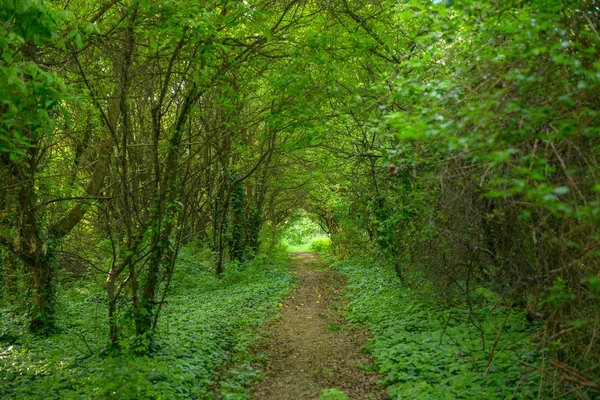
[(301, 233)]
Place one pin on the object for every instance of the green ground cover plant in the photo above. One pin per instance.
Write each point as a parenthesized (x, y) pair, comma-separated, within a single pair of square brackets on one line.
[(426, 351), (455, 141), (332, 394), (207, 326)]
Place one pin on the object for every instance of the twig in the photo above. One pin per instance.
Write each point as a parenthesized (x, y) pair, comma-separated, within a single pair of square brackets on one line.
[(91, 353), (445, 327), (491, 359), (575, 376)]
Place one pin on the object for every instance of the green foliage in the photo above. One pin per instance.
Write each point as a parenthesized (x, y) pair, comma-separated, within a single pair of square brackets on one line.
[(207, 325), (300, 230), (457, 142), (30, 96), (486, 121), (333, 394), (426, 351), (320, 244)]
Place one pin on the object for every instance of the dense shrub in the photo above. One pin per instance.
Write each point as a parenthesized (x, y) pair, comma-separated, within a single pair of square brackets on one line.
[(320, 245), (493, 174)]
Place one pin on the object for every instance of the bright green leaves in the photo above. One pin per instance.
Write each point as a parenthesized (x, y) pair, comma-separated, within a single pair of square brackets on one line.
[(30, 94), (75, 34), (300, 231), (498, 127), (508, 98), (28, 20)]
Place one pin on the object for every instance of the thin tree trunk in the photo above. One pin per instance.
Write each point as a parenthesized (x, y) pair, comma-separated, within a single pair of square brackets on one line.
[(113, 328)]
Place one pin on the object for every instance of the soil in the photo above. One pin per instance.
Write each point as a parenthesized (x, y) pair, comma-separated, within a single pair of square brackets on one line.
[(311, 347)]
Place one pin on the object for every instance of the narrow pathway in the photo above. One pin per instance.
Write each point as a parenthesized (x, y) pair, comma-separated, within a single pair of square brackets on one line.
[(311, 348)]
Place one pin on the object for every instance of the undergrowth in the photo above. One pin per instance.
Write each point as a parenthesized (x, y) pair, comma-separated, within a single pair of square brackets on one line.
[(206, 327), (314, 244), (423, 350)]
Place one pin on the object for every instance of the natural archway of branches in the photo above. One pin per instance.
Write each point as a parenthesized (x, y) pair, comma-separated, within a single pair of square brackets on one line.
[(154, 152)]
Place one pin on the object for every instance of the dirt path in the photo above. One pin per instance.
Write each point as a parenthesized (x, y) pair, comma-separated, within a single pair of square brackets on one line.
[(310, 348)]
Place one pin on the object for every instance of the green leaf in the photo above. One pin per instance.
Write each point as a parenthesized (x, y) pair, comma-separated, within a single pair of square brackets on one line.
[(78, 40)]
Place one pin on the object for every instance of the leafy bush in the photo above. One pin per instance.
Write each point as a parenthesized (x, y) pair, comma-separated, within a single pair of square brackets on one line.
[(493, 167), (320, 244)]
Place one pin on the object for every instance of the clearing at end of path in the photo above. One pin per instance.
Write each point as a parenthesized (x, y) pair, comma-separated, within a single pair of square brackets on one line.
[(310, 348)]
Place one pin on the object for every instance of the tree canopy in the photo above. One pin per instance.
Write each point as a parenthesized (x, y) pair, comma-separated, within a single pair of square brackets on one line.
[(455, 141)]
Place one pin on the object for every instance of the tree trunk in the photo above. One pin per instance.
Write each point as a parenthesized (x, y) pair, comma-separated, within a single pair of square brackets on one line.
[(166, 212), (238, 235), (113, 328), (39, 261), (43, 311)]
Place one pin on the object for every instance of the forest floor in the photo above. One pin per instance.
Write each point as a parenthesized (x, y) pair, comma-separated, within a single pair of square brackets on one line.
[(311, 347)]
